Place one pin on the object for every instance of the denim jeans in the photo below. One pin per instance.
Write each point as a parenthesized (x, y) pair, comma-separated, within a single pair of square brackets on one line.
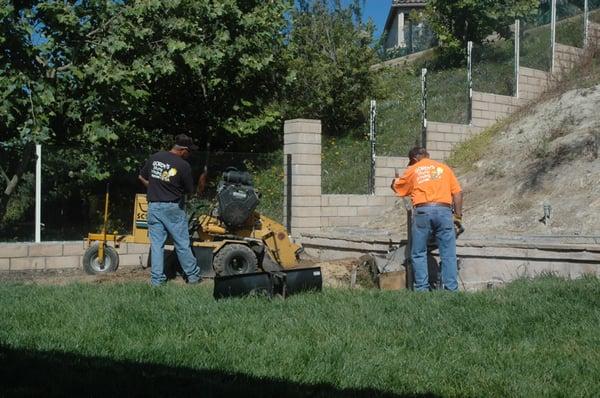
[(164, 219), (436, 221)]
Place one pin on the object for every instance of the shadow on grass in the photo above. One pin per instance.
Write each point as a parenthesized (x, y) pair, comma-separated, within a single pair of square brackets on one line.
[(34, 373)]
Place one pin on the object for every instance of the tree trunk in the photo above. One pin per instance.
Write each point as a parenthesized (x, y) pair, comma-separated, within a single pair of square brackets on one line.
[(28, 154)]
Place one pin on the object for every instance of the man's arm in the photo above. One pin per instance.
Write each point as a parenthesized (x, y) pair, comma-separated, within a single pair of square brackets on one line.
[(401, 185), (457, 198), (188, 181), (143, 181), (144, 174)]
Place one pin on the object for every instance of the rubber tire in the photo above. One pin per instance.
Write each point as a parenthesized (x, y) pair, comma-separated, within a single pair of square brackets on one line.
[(172, 268), (90, 260), (224, 262), (270, 265)]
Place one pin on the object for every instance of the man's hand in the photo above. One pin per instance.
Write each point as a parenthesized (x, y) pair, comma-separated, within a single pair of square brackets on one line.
[(458, 227)]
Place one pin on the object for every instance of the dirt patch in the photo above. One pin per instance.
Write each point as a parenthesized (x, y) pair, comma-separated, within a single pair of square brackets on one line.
[(66, 276), (336, 274)]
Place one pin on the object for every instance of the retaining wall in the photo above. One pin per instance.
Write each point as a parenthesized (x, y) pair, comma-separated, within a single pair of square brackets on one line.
[(62, 255), (483, 262)]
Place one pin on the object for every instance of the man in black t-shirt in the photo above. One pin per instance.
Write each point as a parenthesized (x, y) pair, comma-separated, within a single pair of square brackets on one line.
[(168, 178)]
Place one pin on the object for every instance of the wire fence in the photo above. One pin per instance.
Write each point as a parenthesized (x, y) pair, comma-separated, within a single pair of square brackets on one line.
[(535, 42), (570, 23), (594, 11), (494, 67)]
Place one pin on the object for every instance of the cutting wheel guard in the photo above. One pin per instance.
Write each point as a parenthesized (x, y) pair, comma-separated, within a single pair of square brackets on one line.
[(283, 283)]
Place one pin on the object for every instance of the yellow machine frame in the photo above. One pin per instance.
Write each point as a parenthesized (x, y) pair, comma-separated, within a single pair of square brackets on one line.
[(211, 233)]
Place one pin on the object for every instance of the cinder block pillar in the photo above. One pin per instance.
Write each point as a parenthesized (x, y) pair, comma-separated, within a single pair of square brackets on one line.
[(302, 140)]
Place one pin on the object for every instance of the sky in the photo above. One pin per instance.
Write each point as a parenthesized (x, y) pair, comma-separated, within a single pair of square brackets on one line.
[(377, 10)]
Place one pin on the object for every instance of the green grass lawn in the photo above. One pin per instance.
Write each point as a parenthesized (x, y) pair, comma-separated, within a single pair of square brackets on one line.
[(532, 338)]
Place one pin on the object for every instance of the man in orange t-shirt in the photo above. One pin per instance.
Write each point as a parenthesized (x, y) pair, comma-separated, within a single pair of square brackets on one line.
[(435, 194)]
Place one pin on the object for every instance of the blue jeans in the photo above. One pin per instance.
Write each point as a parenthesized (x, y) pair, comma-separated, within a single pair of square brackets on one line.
[(169, 219), (436, 220)]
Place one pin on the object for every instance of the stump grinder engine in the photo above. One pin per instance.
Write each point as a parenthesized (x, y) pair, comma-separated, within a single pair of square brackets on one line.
[(244, 251)]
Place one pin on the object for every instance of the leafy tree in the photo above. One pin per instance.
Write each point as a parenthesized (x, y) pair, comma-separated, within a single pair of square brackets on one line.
[(456, 22), (329, 56), (25, 94), (103, 83)]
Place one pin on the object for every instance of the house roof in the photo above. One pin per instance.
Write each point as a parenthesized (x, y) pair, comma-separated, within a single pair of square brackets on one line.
[(405, 5), (400, 2)]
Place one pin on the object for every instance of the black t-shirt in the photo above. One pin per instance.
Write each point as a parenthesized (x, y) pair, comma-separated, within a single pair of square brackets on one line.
[(169, 177)]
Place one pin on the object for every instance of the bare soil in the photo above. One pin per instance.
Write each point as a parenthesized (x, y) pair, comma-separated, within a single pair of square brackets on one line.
[(336, 274)]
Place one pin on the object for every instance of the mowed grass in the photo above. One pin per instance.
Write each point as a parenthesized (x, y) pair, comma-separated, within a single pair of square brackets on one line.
[(532, 338)]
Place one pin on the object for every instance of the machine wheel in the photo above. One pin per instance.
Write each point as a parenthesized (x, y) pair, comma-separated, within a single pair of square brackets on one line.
[(234, 259), (92, 266)]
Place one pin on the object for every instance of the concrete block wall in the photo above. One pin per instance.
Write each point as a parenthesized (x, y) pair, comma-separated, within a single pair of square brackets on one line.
[(302, 140), (62, 255), (532, 83), (441, 137), (489, 108), (353, 210), (594, 34), (385, 168), (565, 58)]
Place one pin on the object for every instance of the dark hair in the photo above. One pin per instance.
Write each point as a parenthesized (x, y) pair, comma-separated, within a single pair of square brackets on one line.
[(417, 151)]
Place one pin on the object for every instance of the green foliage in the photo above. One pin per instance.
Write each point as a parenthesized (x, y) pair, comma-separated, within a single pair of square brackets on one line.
[(267, 175), (457, 22), (329, 55), (466, 154), (531, 338), (103, 84), (14, 221), (494, 68), (398, 110), (346, 162)]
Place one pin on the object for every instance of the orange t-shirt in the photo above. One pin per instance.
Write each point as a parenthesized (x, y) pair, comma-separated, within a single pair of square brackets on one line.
[(427, 181)]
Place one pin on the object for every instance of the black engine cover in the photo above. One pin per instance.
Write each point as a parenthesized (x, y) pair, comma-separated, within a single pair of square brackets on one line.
[(236, 204)]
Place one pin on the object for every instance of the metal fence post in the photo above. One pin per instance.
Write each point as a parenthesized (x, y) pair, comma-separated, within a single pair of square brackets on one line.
[(586, 23), (288, 207), (38, 193), (372, 138), (553, 34), (517, 55), (424, 107), (470, 80)]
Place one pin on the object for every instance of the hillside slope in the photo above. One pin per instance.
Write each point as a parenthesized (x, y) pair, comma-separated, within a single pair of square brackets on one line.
[(547, 157)]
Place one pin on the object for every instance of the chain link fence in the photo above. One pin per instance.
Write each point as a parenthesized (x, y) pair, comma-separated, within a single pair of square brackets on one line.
[(570, 24), (535, 42), (494, 66), (594, 11)]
